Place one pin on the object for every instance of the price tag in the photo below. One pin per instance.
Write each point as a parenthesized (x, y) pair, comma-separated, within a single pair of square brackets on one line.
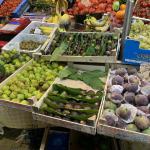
[(86, 3)]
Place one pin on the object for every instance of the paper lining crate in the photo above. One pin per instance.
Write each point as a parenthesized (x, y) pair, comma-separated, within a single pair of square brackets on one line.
[(37, 115), (119, 133), (87, 59)]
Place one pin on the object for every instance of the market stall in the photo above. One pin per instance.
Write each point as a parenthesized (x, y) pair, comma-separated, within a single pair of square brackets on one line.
[(82, 65)]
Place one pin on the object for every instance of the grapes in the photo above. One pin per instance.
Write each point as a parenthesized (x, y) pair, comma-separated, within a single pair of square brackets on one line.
[(141, 32)]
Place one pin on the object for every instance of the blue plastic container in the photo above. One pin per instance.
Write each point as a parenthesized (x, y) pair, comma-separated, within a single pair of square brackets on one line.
[(133, 54), (22, 7), (58, 140)]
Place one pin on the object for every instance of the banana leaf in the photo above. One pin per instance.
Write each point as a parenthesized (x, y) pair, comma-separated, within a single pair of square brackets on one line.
[(86, 111), (57, 98), (61, 88), (67, 72), (51, 104), (49, 110)]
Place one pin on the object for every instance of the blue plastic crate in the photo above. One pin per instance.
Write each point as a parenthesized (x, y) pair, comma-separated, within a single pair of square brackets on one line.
[(133, 54), (22, 7), (58, 140)]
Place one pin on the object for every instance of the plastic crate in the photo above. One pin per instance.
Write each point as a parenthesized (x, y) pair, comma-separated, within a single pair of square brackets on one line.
[(22, 7), (134, 55)]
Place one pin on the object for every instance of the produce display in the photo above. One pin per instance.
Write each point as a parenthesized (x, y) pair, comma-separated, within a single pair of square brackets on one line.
[(30, 83), (29, 45), (142, 9), (127, 101), (10, 61), (76, 97), (141, 32), (80, 44), (8, 6), (44, 30)]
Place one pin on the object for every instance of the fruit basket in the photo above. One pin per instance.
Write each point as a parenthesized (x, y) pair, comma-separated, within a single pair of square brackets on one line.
[(26, 43), (43, 28), (83, 50), (74, 115), (111, 122), (136, 46)]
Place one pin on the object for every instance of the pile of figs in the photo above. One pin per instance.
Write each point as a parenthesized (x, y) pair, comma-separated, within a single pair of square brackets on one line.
[(127, 103)]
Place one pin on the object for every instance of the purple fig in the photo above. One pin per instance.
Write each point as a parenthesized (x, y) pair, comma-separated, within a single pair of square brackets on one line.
[(132, 87), (116, 98), (129, 97), (132, 71), (134, 79), (124, 113), (117, 80), (121, 72), (144, 109), (141, 100), (111, 119)]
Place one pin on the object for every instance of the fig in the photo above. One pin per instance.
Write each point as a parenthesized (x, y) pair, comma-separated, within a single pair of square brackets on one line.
[(116, 89), (111, 119), (126, 79), (124, 113), (141, 100), (132, 71), (120, 124), (134, 79), (144, 109), (131, 87), (116, 98), (107, 111), (142, 122), (117, 80), (132, 127), (110, 105), (129, 97), (121, 72), (147, 131)]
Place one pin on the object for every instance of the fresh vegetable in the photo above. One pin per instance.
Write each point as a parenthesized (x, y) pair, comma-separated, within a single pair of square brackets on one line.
[(74, 104), (93, 44)]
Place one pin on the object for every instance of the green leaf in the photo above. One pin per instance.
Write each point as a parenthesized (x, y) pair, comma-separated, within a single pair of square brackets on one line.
[(90, 51), (59, 51), (67, 72)]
